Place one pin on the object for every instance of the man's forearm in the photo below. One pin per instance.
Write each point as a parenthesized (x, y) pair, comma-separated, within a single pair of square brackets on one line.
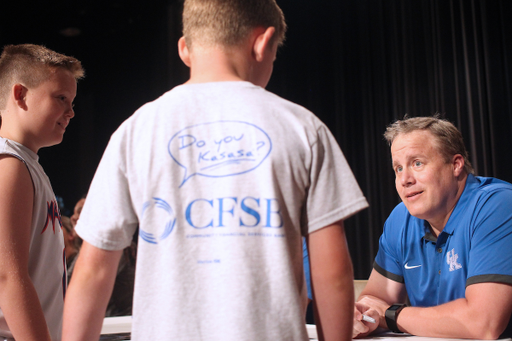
[(455, 319)]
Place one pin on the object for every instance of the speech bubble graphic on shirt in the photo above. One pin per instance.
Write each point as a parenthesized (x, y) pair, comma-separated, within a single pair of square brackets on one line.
[(218, 149)]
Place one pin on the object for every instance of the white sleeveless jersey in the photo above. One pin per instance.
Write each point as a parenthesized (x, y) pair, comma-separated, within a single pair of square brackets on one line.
[(46, 255)]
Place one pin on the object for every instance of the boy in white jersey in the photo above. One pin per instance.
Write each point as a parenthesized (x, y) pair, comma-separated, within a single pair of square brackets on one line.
[(223, 179), (37, 88)]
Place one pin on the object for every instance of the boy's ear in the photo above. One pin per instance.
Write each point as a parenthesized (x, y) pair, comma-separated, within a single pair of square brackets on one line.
[(19, 93), (183, 51), (261, 43)]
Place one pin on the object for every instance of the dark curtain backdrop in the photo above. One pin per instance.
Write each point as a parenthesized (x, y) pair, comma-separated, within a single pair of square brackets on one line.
[(360, 65), (357, 64)]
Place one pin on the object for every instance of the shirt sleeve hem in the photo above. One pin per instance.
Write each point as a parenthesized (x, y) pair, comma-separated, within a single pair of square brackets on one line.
[(339, 214), (387, 274), (506, 279), (99, 242)]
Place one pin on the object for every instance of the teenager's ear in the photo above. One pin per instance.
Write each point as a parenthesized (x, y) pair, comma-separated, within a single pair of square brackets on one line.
[(262, 42), (183, 51), (19, 93)]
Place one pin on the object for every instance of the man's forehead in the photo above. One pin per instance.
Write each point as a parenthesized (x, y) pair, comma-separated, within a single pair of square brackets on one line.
[(416, 143)]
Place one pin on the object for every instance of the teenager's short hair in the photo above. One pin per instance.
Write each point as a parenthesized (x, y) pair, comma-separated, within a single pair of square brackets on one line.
[(229, 22), (31, 65), (449, 141)]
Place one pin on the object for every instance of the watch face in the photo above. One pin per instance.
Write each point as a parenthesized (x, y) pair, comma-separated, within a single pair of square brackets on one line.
[(395, 306)]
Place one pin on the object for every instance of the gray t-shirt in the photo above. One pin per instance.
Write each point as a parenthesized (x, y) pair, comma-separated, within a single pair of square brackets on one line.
[(223, 180)]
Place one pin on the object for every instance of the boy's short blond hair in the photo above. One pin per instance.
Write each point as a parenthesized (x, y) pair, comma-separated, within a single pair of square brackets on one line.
[(227, 23), (31, 65)]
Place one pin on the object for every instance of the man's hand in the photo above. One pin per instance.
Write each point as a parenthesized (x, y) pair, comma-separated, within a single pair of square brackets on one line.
[(363, 328), (379, 293)]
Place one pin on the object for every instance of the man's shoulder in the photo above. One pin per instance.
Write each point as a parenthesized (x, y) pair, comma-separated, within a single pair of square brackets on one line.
[(489, 184), (485, 190)]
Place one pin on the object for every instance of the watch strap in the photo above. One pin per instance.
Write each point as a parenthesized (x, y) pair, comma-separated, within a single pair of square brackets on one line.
[(391, 316)]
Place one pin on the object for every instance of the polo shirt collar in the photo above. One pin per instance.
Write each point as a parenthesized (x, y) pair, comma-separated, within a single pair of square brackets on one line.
[(472, 182)]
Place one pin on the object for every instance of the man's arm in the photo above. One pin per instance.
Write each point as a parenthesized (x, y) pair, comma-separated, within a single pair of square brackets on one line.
[(483, 314), (89, 292), (332, 282), (18, 297)]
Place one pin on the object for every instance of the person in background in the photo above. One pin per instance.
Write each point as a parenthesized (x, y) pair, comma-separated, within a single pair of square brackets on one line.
[(121, 299), (72, 243), (37, 89), (446, 246), (77, 210), (223, 180)]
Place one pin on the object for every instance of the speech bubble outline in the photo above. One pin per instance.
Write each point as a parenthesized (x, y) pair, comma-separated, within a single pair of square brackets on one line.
[(255, 142)]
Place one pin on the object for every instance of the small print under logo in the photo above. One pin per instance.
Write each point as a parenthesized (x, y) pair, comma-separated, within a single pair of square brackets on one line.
[(408, 267), (451, 259)]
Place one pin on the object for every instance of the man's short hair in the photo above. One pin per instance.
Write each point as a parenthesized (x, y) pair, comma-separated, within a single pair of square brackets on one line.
[(31, 65), (449, 140), (227, 23)]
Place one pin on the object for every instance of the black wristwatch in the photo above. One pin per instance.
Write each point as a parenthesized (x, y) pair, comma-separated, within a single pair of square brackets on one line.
[(391, 316)]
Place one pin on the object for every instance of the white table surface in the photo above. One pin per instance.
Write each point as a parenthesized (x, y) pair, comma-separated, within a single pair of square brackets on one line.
[(123, 324)]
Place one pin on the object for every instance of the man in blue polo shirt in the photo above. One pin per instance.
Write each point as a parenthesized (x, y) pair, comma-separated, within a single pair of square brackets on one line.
[(447, 246)]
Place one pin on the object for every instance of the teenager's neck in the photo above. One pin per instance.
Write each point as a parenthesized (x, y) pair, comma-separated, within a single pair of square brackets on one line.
[(218, 65)]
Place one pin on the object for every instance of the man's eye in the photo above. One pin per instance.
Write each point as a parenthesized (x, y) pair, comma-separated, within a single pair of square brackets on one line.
[(417, 163), (398, 169)]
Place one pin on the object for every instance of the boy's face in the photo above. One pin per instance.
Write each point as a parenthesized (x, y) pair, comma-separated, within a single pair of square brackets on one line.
[(50, 108)]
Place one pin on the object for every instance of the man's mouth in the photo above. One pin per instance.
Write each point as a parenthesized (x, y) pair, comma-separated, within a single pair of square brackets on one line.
[(413, 194)]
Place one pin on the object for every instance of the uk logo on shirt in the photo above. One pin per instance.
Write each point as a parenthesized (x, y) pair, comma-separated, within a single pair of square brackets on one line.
[(451, 259)]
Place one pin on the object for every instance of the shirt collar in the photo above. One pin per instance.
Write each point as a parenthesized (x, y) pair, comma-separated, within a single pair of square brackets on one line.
[(472, 182)]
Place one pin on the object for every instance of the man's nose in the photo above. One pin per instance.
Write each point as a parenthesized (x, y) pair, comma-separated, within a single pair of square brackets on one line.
[(406, 177)]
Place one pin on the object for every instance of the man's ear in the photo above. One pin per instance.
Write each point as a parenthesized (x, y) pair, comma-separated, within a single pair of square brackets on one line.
[(19, 93), (458, 164), (262, 42), (183, 51)]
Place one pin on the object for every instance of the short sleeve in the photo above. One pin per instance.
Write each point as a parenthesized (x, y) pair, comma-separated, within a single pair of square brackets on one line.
[(108, 220), (388, 261), (334, 193), (491, 251)]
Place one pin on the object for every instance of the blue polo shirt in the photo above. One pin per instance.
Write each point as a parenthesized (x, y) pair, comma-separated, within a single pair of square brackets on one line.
[(474, 247)]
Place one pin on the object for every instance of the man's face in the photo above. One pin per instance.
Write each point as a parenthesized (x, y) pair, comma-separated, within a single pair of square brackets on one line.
[(426, 183), (50, 109)]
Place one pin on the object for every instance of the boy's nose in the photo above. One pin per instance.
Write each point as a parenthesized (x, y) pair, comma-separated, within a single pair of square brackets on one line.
[(70, 113)]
